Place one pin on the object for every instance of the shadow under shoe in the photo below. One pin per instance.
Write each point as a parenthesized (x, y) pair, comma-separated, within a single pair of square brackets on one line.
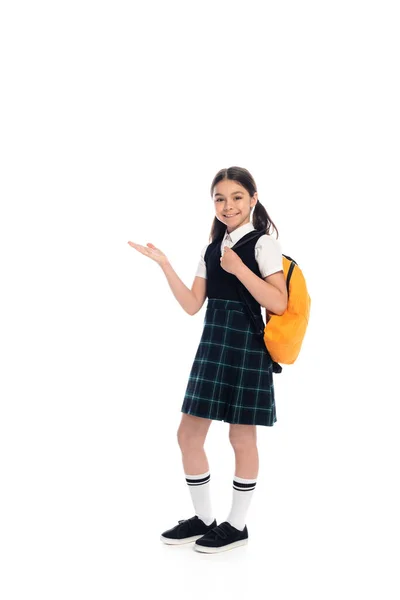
[(187, 530)]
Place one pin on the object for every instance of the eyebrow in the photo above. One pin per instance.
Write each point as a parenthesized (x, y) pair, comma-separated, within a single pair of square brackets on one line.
[(233, 193)]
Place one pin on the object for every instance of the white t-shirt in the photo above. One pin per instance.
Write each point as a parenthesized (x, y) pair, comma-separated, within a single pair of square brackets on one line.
[(267, 251)]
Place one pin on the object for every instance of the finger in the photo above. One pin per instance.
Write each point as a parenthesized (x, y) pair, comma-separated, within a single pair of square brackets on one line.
[(142, 249), (137, 246)]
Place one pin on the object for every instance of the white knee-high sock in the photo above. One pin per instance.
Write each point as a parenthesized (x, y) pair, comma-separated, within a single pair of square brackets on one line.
[(243, 490), (199, 487)]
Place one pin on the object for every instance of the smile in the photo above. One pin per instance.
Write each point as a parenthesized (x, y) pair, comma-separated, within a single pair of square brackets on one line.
[(231, 215)]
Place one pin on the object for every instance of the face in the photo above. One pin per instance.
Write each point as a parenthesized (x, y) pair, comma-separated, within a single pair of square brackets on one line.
[(233, 204)]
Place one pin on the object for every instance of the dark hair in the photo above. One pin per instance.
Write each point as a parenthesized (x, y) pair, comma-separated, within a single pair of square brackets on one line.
[(261, 219)]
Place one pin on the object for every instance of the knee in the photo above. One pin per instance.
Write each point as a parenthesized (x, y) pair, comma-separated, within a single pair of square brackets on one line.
[(188, 440), (242, 443)]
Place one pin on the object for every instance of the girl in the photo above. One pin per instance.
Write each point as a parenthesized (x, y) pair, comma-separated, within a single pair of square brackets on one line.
[(231, 378)]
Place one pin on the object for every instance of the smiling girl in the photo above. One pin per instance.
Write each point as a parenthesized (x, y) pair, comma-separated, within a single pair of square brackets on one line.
[(231, 378)]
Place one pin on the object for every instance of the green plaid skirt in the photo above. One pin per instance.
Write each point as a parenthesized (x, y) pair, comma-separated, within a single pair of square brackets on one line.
[(231, 378)]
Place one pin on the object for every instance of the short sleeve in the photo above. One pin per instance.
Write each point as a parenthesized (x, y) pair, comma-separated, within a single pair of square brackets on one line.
[(201, 268), (268, 254)]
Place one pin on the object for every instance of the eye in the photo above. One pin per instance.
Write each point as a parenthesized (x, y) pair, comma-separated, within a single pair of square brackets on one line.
[(236, 198)]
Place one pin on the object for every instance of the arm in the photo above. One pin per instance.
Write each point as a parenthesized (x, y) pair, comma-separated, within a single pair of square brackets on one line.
[(269, 292), (190, 300)]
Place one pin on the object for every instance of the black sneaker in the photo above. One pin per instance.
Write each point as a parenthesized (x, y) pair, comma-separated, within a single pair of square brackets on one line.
[(222, 537), (187, 530)]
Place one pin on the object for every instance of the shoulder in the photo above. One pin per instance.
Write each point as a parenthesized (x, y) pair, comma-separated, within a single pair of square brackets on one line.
[(268, 242), (268, 254)]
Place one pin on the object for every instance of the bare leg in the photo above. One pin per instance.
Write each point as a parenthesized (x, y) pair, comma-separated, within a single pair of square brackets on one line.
[(191, 434), (244, 441)]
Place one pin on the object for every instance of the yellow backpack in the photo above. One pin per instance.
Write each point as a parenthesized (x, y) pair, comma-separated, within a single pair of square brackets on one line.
[(283, 334)]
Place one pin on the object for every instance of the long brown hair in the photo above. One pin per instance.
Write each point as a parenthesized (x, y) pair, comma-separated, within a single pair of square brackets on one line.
[(261, 220)]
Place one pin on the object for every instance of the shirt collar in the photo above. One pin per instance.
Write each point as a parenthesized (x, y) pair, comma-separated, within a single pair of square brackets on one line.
[(239, 232)]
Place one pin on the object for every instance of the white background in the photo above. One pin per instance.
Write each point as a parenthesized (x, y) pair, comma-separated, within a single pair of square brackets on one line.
[(115, 117)]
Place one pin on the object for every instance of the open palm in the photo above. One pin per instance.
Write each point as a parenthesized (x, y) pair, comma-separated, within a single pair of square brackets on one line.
[(151, 251)]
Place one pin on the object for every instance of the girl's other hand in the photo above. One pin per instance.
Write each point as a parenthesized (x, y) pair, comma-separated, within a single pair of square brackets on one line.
[(152, 252), (230, 261)]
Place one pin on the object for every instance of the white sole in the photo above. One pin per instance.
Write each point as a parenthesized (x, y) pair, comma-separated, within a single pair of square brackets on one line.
[(211, 550), (182, 541)]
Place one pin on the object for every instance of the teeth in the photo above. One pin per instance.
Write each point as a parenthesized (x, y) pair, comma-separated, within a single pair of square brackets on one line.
[(231, 215)]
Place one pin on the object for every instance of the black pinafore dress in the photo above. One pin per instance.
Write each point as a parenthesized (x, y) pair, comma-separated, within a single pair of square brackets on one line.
[(231, 378)]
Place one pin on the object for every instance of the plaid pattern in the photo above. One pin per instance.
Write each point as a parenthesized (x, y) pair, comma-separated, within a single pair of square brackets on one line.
[(231, 378)]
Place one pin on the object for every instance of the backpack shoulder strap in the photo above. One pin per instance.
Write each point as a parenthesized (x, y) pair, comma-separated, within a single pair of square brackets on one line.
[(246, 238), (276, 367)]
